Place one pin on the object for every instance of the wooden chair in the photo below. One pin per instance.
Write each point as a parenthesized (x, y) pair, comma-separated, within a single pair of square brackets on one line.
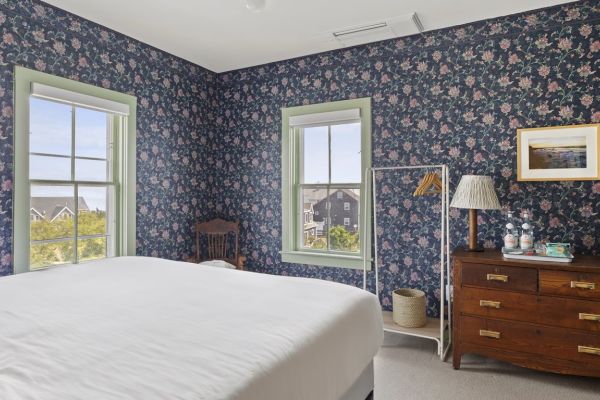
[(219, 247)]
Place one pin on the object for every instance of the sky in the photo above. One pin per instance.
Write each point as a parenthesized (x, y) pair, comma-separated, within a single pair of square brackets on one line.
[(50, 132), (345, 154)]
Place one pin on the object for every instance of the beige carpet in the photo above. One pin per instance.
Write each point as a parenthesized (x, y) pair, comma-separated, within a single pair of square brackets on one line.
[(408, 368)]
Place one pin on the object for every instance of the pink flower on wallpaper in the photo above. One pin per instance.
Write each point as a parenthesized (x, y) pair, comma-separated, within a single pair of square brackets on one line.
[(554, 222), (588, 241), (506, 172), (596, 116), (566, 112), (504, 44), (595, 46), (545, 205), (487, 56), (423, 241), (587, 100), (585, 30), (565, 44), (544, 71), (586, 211), (505, 108), (488, 119)]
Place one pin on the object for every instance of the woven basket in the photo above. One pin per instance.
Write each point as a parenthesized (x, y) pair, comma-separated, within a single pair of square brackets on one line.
[(409, 308)]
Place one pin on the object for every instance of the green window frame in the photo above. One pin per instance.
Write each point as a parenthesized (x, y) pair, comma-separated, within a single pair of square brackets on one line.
[(292, 207), (123, 181)]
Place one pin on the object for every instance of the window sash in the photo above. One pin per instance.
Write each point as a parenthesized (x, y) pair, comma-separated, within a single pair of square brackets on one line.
[(112, 125), (292, 170), (125, 157)]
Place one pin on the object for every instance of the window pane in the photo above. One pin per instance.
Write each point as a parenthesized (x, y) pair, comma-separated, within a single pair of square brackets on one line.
[(91, 133), (49, 168), (344, 231), (48, 254), (314, 218), (51, 212), (345, 153), (52, 224), (96, 217), (91, 170), (50, 127), (91, 249), (316, 154), (92, 211)]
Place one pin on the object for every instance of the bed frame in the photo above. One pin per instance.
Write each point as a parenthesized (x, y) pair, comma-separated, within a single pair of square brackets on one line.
[(362, 389)]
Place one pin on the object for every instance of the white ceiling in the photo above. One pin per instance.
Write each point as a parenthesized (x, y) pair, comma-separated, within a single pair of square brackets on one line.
[(223, 35)]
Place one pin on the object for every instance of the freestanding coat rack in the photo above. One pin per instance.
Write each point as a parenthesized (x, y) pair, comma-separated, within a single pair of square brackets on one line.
[(437, 329)]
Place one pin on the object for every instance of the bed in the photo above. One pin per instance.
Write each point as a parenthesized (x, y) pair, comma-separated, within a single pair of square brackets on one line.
[(145, 328)]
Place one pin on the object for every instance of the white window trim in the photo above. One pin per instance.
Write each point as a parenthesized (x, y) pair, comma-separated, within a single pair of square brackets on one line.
[(290, 251), (126, 220)]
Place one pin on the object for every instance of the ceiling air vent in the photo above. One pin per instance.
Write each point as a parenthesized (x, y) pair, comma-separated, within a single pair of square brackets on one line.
[(403, 25)]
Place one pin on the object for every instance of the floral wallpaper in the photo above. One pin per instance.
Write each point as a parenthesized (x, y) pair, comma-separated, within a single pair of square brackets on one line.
[(453, 96), (174, 120)]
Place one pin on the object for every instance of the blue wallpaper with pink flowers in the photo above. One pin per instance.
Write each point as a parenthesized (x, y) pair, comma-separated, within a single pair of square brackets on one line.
[(174, 120), (454, 96), (210, 144)]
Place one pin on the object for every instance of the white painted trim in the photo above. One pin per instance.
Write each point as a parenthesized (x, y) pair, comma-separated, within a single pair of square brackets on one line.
[(328, 118), (67, 96)]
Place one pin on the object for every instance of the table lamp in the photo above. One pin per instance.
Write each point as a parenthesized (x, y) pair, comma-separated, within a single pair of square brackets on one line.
[(475, 192)]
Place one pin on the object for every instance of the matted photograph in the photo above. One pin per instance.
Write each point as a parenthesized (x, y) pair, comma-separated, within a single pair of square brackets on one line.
[(558, 153)]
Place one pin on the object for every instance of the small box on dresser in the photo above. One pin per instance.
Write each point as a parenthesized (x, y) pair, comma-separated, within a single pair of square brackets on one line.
[(538, 315)]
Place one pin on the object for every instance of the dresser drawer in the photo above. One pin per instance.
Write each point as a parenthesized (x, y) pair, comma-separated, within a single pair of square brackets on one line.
[(497, 277), (572, 284), (533, 339), (499, 304), (568, 313)]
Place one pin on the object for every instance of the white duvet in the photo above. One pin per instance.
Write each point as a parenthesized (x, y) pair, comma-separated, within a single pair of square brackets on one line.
[(144, 328)]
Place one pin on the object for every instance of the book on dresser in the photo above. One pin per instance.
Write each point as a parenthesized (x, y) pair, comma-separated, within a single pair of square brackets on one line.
[(535, 314)]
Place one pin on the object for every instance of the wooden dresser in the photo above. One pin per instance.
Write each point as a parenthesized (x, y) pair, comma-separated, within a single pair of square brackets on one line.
[(539, 315)]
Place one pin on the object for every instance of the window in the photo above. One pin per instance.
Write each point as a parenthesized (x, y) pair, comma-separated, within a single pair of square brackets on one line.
[(326, 150), (74, 172)]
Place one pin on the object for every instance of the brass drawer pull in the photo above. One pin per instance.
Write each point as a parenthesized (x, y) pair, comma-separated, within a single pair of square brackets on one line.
[(589, 350), (490, 334), (589, 317), (490, 304), (583, 285), (498, 278)]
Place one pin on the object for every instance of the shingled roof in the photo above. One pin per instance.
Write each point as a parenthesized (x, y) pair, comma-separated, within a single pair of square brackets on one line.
[(50, 207)]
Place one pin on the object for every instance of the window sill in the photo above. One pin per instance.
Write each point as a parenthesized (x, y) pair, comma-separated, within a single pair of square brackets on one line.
[(325, 260)]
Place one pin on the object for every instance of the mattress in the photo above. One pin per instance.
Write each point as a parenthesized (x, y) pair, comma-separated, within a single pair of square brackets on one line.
[(145, 328)]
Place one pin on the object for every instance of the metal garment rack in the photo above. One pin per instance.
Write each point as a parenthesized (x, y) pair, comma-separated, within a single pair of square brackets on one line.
[(436, 329)]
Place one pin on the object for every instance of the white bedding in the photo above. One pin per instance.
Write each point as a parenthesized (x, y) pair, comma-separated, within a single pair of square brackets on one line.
[(144, 328)]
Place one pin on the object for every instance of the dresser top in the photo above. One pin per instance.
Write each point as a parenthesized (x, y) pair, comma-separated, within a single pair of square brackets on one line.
[(494, 257)]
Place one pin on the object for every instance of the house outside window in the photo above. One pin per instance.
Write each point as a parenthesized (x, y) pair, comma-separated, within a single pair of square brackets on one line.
[(328, 148), (74, 171)]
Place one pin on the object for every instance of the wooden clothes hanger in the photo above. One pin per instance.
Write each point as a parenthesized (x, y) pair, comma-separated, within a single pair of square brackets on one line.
[(430, 184)]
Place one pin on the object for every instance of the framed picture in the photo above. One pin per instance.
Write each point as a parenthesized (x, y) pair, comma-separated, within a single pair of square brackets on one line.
[(558, 153)]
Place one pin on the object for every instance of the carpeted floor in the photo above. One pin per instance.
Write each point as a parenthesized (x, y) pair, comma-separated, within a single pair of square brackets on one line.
[(408, 369)]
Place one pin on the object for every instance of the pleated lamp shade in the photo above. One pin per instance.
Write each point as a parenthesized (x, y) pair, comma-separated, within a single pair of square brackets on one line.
[(475, 192)]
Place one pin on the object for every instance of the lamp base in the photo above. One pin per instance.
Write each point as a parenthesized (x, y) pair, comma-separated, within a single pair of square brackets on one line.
[(477, 249)]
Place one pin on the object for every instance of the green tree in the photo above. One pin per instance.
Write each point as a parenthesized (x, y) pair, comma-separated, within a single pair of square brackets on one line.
[(89, 223), (343, 240)]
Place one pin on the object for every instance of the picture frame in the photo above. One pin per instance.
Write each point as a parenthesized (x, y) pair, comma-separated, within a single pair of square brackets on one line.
[(558, 153)]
